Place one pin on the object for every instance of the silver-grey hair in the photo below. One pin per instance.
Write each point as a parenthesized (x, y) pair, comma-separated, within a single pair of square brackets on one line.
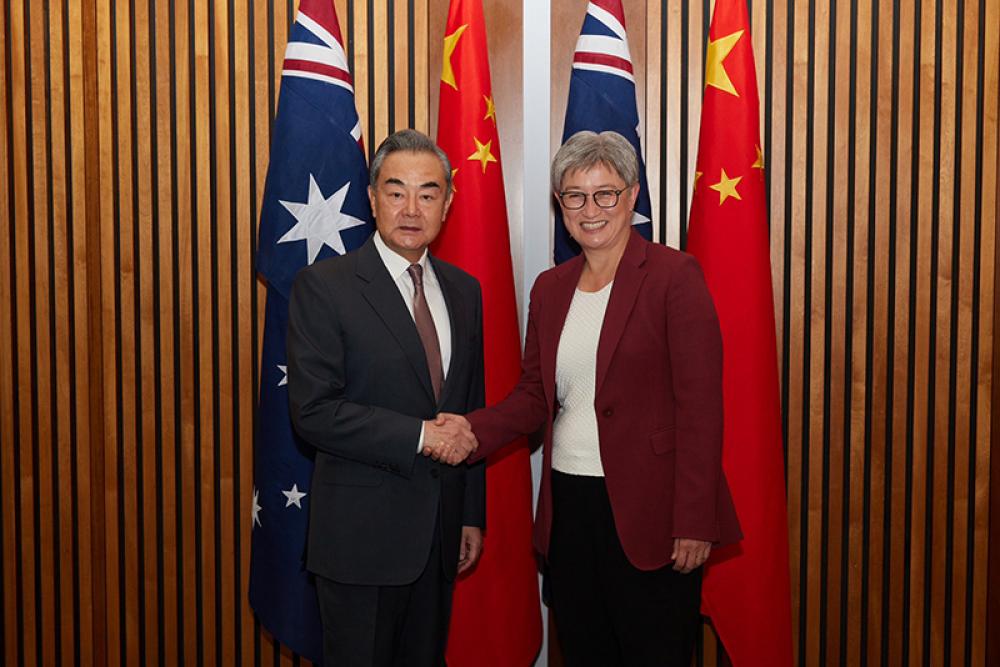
[(587, 149), (410, 141)]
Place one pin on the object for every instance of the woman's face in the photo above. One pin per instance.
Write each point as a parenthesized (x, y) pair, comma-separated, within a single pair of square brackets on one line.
[(604, 220)]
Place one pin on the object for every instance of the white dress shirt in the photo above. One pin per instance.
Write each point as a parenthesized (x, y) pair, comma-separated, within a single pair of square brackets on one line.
[(397, 266)]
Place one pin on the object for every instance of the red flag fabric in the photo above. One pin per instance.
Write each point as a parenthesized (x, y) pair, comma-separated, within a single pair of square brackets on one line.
[(496, 618), (746, 589)]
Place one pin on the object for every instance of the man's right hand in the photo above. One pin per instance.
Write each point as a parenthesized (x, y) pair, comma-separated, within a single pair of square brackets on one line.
[(449, 441)]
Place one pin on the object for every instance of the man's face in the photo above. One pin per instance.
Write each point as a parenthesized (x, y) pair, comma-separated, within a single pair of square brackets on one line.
[(409, 202)]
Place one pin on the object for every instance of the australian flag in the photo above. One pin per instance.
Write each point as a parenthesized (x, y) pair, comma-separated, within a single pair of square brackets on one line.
[(602, 97), (315, 205)]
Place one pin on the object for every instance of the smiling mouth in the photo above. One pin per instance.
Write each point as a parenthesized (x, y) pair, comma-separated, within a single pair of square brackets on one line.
[(593, 226)]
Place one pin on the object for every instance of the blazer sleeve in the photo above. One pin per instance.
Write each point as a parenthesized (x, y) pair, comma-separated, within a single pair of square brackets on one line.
[(695, 345), (524, 410), (474, 508), (320, 409)]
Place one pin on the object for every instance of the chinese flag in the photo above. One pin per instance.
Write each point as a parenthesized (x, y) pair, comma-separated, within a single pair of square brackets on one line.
[(496, 619), (746, 589)]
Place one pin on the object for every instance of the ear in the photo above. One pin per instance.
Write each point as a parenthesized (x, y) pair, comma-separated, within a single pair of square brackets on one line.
[(555, 195), (371, 199), (631, 195)]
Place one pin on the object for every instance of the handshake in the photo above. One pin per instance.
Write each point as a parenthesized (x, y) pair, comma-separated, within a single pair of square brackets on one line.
[(449, 439)]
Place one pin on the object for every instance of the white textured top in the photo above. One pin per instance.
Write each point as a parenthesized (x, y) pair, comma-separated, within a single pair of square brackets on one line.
[(575, 442)]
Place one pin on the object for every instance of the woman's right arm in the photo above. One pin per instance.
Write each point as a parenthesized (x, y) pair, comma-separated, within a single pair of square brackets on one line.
[(524, 410)]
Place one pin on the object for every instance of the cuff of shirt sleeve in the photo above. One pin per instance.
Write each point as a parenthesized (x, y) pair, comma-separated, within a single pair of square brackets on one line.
[(420, 442)]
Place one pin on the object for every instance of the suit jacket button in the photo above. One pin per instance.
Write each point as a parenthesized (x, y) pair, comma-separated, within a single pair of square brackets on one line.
[(434, 472), (608, 412)]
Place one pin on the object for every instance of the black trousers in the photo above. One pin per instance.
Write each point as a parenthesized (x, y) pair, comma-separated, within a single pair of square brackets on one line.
[(607, 611), (387, 626)]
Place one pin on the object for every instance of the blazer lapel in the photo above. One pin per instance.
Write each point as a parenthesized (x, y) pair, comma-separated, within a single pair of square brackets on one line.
[(553, 320), (460, 314), (628, 280), (384, 298)]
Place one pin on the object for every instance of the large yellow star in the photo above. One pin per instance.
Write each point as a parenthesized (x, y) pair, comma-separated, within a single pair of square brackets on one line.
[(450, 42), (491, 110), (483, 154), (715, 71), (726, 187)]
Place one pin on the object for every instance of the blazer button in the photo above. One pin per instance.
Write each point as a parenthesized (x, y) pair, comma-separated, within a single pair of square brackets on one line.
[(434, 472), (608, 412)]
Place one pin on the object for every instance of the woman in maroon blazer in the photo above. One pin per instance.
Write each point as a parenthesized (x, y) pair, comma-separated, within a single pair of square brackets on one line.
[(623, 367)]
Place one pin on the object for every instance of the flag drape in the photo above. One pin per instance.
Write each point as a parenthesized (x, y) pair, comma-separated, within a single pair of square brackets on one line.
[(746, 589), (496, 618), (602, 97), (315, 205)]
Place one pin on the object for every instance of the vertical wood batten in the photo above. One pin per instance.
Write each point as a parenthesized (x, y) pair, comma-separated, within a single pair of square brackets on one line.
[(963, 306), (901, 215)]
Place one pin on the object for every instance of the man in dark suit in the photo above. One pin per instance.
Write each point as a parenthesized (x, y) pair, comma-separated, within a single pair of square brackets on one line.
[(379, 341)]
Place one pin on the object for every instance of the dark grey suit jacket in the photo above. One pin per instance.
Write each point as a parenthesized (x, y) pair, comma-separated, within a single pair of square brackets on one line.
[(359, 389)]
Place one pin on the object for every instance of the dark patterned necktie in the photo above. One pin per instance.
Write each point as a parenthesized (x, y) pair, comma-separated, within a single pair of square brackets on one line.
[(425, 327)]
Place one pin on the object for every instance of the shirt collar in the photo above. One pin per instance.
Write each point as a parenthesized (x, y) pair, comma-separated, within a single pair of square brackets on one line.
[(395, 263)]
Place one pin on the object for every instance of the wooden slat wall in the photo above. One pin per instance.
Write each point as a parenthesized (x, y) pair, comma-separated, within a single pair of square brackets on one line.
[(134, 145), (135, 140), (880, 132)]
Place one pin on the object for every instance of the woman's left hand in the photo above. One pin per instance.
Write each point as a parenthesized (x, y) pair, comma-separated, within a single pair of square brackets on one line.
[(690, 554)]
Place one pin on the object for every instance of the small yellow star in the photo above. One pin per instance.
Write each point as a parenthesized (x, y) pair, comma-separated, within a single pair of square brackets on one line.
[(450, 42), (759, 162), (697, 175), (453, 172), (483, 154), (715, 71), (726, 187), (491, 110)]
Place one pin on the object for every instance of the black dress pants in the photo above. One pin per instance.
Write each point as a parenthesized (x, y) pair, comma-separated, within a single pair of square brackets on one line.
[(607, 611), (387, 626)]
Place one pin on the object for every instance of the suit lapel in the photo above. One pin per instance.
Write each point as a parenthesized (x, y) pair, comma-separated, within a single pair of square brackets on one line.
[(460, 315), (382, 294), (628, 280)]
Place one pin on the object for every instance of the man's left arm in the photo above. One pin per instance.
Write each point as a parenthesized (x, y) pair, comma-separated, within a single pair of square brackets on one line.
[(474, 517)]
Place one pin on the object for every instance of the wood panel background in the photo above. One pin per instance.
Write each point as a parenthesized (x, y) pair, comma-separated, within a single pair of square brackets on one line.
[(135, 145), (134, 142)]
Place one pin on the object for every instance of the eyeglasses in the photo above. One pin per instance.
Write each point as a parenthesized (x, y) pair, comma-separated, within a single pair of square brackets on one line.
[(573, 200)]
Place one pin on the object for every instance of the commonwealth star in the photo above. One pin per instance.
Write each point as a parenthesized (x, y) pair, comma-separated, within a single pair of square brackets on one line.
[(320, 220)]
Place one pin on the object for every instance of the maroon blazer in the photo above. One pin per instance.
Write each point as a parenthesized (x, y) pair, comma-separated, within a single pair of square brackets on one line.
[(658, 401)]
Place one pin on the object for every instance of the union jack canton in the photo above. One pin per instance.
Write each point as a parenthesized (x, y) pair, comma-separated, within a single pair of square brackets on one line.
[(602, 97)]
